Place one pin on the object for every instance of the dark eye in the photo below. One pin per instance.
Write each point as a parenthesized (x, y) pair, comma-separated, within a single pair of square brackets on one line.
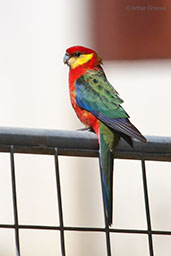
[(77, 54)]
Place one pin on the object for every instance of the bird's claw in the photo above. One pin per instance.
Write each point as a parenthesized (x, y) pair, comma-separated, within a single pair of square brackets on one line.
[(88, 129)]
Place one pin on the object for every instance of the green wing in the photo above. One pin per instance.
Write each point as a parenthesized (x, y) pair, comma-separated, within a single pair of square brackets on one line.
[(95, 94)]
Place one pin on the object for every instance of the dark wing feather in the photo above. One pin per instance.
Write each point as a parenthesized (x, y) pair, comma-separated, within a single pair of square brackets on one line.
[(124, 126)]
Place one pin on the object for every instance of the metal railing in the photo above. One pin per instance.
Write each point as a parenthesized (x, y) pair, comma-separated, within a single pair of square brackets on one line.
[(76, 143)]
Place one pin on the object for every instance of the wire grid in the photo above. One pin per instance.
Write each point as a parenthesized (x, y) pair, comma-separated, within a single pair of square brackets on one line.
[(62, 228)]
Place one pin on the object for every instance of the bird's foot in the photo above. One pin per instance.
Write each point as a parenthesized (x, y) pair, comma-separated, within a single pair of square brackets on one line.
[(88, 129)]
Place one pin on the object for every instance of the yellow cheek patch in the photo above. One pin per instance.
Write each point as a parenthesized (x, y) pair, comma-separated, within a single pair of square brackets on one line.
[(77, 61)]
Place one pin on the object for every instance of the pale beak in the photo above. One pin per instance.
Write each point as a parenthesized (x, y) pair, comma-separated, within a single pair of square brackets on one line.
[(66, 58)]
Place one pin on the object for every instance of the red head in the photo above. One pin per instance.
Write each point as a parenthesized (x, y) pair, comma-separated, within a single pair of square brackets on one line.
[(79, 56)]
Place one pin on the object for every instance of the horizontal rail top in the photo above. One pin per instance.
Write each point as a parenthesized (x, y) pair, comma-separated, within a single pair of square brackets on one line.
[(79, 143)]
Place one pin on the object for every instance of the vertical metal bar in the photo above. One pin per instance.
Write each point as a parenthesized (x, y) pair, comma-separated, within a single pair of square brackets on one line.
[(105, 217), (14, 195), (59, 203), (147, 208)]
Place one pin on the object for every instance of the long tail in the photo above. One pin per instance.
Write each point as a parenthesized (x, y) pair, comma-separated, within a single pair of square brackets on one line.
[(106, 146)]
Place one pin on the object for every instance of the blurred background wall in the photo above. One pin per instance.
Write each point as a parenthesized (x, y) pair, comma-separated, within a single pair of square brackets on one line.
[(133, 29), (34, 93)]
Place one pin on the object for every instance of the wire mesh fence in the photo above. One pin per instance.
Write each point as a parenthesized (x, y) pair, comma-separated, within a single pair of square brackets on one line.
[(67, 143)]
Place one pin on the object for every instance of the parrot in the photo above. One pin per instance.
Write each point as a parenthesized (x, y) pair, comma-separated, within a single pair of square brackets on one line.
[(98, 106)]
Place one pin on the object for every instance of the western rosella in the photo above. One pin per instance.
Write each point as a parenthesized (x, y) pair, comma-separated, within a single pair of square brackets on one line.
[(98, 106)]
